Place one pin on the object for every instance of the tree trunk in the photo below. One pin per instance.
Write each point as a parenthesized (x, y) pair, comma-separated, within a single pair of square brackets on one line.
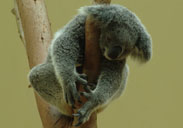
[(35, 32)]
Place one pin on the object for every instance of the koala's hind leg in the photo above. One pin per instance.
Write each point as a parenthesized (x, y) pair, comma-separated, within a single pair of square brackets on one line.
[(43, 80)]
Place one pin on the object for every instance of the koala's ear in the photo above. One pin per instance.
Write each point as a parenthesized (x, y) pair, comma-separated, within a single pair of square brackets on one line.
[(143, 47)]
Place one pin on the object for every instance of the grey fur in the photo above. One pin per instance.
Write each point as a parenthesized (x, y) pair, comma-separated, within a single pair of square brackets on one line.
[(122, 34)]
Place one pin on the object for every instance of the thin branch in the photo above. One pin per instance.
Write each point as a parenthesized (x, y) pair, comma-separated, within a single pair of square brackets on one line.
[(19, 22)]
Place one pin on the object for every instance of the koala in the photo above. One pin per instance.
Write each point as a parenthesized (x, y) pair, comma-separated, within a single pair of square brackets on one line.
[(121, 35)]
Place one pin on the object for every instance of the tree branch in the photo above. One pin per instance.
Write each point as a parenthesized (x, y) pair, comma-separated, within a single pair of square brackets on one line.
[(35, 32)]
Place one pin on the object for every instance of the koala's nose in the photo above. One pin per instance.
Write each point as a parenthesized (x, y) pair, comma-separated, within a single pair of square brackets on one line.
[(114, 52)]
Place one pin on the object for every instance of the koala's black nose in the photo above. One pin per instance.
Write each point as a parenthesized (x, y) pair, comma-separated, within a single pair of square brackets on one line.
[(114, 52)]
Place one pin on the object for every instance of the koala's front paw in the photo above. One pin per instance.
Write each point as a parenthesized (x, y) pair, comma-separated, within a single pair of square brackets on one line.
[(70, 90), (86, 110)]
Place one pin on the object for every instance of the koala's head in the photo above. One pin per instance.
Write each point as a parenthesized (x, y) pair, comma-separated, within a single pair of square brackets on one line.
[(125, 35), (117, 42), (121, 32)]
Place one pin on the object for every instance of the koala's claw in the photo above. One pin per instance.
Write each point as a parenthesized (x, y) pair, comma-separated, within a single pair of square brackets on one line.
[(82, 116), (76, 115), (84, 76), (85, 111), (86, 95), (82, 79), (86, 88), (89, 87)]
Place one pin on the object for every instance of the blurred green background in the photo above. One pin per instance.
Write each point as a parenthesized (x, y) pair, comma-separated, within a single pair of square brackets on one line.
[(153, 98)]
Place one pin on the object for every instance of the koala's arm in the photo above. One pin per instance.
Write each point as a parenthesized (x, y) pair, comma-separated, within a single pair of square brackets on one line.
[(65, 50), (111, 81)]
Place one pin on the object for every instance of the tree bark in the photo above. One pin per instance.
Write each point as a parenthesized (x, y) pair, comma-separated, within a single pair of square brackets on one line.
[(35, 32)]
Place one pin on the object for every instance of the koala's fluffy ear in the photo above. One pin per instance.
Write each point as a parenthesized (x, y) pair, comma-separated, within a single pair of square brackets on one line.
[(143, 47)]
